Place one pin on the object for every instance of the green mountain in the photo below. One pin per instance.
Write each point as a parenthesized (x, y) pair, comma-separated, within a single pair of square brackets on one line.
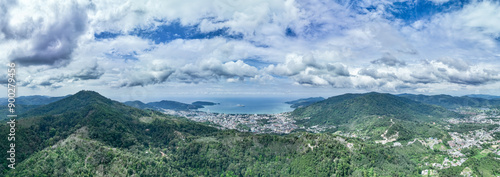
[(87, 134), (349, 107), (139, 105), (452, 102), (33, 100), (204, 103), (174, 105), (489, 97)]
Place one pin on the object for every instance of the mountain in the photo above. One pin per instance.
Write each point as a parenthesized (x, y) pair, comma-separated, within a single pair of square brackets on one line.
[(372, 115), (105, 121), (304, 102), (204, 103), (345, 108), (174, 105), (87, 134), (33, 100), (166, 104), (19, 109), (452, 102), (489, 97), (26, 103)]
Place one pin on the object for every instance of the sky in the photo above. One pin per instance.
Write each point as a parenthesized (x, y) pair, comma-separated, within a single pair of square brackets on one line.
[(144, 50)]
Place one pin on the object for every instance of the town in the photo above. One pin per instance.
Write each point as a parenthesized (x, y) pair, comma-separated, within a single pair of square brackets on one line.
[(257, 123)]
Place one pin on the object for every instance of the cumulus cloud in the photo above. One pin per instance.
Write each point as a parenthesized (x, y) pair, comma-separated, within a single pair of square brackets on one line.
[(61, 78), (49, 36), (213, 69), (328, 44)]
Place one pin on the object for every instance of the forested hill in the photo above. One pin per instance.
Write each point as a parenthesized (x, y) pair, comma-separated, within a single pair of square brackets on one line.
[(139, 104), (452, 102), (108, 122), (87, 134), (33, 100), (348, 107), (304, 102)]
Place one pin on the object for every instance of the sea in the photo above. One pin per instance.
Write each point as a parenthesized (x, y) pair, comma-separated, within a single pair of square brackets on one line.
[(249, 105)]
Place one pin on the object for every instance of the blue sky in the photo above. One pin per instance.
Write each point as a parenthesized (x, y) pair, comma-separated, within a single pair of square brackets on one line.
[(157, 49)]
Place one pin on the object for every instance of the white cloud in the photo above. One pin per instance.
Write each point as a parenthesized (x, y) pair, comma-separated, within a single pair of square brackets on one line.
[(335, 44), (439, 1)]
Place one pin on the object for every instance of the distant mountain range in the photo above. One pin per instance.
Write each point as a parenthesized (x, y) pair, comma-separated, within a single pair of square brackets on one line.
[(348, 107), (26, 103), (33, 100), (304, 102), (87, 134)]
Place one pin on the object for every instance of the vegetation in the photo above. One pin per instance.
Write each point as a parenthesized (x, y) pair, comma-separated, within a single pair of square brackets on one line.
[(174, 105), (89, 135), (346, 108), (204, 103), (140, 105)]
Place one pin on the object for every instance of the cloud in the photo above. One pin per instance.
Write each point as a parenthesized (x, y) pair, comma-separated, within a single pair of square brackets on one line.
[(213, 69), (62, 77), (48, 37)]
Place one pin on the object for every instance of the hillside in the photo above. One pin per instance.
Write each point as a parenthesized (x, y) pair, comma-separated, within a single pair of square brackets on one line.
[(452, 102), (139, 105), (204, 103), (489, 97), (87, 134), (346, 108), (304, 102), (26, 103)]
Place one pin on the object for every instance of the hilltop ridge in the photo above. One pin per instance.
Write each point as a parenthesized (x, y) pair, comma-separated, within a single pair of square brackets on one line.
[(348, 107)]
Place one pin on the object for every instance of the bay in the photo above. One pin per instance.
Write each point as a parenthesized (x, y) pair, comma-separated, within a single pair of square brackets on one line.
[(251, 105)]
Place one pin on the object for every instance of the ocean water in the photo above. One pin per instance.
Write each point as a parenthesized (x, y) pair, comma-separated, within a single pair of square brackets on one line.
[(248, 105)]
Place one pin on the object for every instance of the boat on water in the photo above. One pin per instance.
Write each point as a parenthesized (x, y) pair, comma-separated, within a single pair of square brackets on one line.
[(240, 105)]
